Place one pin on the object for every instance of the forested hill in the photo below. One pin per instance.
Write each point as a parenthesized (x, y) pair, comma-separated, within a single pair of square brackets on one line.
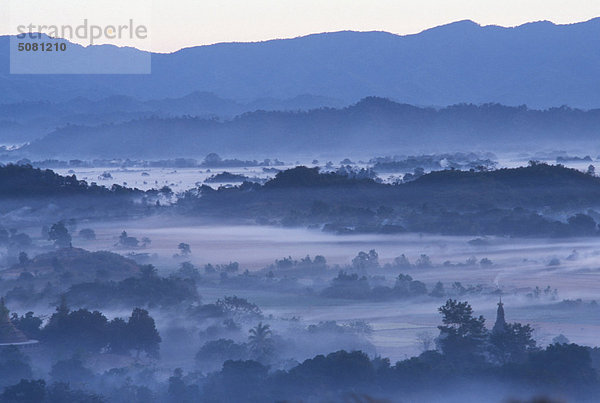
[(517, 202), (373, 125), (20, 181), (303, 177), (538, 200), (536, 174), (535, 186)]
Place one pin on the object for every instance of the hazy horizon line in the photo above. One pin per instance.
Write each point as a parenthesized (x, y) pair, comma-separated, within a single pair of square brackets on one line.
[(325, 33)]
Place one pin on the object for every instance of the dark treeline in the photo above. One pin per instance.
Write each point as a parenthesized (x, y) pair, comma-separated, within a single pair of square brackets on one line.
[(468, 357), (465, 362), (46, 194), (434, 162), (68, 332), (516, 202), (18, 181), (526, 201)]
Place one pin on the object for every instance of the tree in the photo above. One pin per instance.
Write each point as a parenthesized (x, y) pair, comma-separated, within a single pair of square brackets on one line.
[(512, 344), (462, 336), (341, 369), (591, 170), (29, 324), (76, 330), (236, 306), (184, 249), (560, 339), (562, 365), (402, 262), (188, 270), (260, 341), (177, 387), (348, 286), (71, 371), (320, 261), (60, 235), (142, 332), (166, 191), (405, 286), (248, 378), (364, 261), (118, 336), (423, 262), (212, 159), (148, 271), (23, 259), (438, 290)]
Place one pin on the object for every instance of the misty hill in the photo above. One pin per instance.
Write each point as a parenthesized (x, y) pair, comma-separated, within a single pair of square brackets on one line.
[(28, 194), (539, 64), (25, 121), (534, 186), (303, 177), (517, 202), (536, 174), (18, 181), (374, 125), (80, 263), (538, 185)]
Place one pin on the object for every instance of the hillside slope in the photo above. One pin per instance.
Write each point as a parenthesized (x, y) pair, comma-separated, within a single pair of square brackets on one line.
[(539, 64)]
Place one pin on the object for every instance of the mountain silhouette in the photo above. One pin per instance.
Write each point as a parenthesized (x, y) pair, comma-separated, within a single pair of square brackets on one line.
[(539, 64), (372, 126)]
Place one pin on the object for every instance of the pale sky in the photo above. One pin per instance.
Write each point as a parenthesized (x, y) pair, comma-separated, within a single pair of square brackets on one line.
[(174, 24)]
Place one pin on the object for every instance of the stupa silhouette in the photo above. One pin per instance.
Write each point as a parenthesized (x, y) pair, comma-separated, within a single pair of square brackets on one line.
[(9, 334)]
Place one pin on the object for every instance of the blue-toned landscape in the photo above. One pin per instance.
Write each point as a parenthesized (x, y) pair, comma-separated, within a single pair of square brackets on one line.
[(342, 216)]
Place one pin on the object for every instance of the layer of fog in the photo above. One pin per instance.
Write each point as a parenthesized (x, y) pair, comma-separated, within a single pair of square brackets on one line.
[(180, 179), (519, 265)]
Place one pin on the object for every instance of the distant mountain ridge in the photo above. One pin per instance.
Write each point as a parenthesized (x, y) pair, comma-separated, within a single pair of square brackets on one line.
[(372, 126), (25, 121), (539, 64)]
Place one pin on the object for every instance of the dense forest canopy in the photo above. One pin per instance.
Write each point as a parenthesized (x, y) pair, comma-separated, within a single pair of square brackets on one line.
[(519, 201), (18, 180)]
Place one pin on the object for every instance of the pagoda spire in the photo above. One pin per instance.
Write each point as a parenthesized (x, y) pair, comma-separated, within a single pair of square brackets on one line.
[(62, 309), (500, 325)]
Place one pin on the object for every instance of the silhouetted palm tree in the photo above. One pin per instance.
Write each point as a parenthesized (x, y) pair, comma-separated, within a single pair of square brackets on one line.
[(260, 341)]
